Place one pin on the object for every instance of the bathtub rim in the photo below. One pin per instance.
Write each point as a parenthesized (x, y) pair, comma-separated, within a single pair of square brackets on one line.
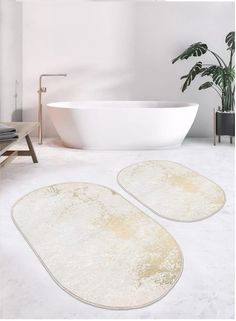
[(91, 104)]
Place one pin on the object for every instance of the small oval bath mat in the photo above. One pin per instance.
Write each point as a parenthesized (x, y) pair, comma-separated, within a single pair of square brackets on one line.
[(97, 246), (172, 190)]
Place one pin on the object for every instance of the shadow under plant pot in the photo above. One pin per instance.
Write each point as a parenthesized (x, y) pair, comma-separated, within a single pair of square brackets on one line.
[(224, 124)]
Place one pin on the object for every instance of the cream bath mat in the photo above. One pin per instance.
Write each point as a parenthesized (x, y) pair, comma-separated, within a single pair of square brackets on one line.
[(97, 246), (171, 190)]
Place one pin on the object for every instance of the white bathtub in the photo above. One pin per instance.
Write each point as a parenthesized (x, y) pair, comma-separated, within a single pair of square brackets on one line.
[(126, 125)]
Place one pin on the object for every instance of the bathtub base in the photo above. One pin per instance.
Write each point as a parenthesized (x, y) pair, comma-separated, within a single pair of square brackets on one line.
[(174, 146)]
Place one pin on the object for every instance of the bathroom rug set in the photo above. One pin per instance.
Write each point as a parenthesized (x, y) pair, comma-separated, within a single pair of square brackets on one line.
[(100, 248)]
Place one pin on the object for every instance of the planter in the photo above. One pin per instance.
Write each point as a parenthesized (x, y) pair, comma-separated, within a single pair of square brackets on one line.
[(225, 123)]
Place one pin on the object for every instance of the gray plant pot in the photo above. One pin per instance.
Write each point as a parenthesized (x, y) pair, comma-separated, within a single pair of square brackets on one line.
[(225, 123)]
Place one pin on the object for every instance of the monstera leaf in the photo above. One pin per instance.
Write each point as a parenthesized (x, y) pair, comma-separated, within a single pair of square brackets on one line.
[(230, 40), (196, 69), (222, 76), (210, 70), (222, 73), (196, 50), (206, 85)]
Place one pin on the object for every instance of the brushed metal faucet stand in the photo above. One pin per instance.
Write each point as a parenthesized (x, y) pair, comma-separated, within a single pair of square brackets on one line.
[(40, 106)]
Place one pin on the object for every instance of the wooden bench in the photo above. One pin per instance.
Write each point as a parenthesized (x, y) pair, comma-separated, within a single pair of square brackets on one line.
[(23, 130)]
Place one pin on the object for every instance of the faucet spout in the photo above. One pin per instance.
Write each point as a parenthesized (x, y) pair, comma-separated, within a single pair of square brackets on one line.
[(53, 75), (40, 106)]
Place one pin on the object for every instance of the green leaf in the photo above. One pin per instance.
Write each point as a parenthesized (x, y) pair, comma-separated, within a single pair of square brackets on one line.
[(196, 69), (206, 85), (221, 76), (230, 40), (210, 70), (197, 49), (224, 77)]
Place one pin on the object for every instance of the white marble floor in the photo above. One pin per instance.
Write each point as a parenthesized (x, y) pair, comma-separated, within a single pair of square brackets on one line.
[(206, 288)]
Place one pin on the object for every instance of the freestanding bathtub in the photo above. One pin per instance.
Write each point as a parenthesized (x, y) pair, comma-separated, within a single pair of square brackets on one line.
[(122, 125)]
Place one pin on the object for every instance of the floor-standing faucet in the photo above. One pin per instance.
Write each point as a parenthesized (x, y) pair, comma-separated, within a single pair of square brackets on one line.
[(40, 107)]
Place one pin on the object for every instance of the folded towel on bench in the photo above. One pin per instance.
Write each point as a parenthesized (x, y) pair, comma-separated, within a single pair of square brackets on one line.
[(8, 136), (6, 129)]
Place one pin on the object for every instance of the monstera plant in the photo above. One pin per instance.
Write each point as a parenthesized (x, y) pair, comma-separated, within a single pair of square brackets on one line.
[(220, 75)]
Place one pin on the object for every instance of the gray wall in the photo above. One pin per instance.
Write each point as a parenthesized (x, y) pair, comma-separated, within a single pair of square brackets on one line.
[(10, 60), (163, 30)]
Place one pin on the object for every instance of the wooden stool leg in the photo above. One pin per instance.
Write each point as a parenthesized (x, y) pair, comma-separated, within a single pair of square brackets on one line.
[(231, 140), (219, 139), (31, 149)]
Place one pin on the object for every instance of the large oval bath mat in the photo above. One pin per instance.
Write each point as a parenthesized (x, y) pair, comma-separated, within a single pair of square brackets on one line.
[(97, 246), (172, 190)]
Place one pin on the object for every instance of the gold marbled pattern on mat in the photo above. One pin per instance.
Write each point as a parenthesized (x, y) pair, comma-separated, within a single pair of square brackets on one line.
[(172, 190), (97, 246)]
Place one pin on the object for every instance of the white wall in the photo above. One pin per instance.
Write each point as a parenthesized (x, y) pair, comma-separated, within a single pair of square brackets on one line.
[(119, 50), (90, 41), (10, 60)]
